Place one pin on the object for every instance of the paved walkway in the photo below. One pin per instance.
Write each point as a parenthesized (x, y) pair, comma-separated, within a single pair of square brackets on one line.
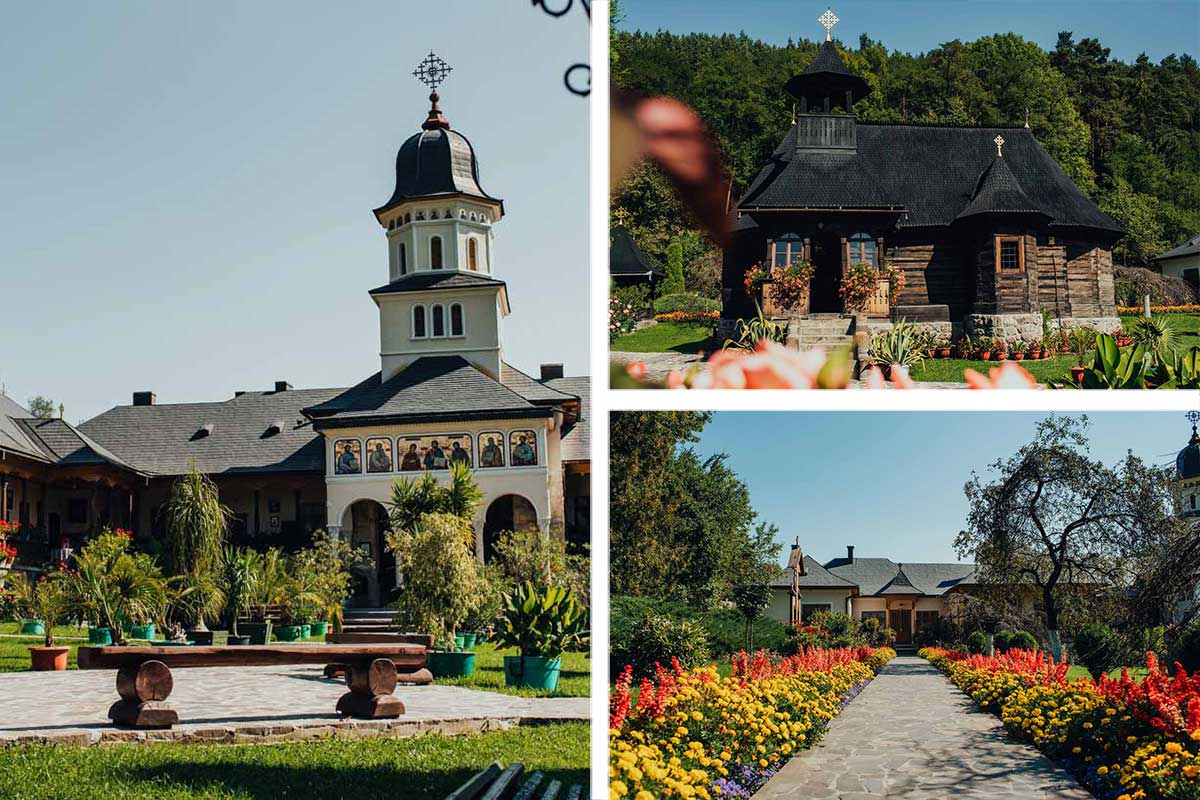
[(912, 734), (252, 704)]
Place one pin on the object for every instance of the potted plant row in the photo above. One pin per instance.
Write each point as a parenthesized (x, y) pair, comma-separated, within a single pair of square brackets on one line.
[(543, 622)]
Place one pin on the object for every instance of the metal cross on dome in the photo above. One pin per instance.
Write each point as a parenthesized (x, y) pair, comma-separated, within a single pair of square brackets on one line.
[(999, 140), (1193, 417), (828, 19), (432, 71)]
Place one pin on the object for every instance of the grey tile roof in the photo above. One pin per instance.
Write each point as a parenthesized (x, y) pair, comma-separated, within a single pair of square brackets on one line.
[(69, 446), (900, 585), (930, 171), (874, 575), (1189, 248), (432, 280), (530, 388), (815, 577), (433, 387), (11, 408), (577, 436), (161, 440), (13, 436), (626, 258), (998, 192)]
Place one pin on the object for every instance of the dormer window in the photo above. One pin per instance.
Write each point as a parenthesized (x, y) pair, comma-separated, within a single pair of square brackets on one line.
[(456, 324), (472, 255), (435, 252), (439, 321), (203, 432), (403, 259), (275, 428), (418, 316)]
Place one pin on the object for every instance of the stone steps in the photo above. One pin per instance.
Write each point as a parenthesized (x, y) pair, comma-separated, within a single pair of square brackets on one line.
[(826, 332)]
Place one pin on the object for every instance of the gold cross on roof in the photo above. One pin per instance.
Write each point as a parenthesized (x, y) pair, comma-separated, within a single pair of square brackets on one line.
[(828, 19), (999, 140)]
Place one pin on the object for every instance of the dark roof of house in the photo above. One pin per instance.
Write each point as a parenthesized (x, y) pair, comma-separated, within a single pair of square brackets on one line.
[(931, 172), (433, 280), (1189, 248), (163, 440), (874, 575), (827, 74), (430, 388), (626, 258), (998, 192), (899, 585), (815, 577), (533, 390), (68, 446), (576, 436), (13, 436), (1187, 463), (436, 161)]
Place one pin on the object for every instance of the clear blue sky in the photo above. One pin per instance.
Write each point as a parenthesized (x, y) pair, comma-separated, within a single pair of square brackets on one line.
[(891, 484), (1128, 27), (186, 187)]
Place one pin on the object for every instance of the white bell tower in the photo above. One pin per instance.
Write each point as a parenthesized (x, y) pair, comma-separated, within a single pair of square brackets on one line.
[(442, 298)]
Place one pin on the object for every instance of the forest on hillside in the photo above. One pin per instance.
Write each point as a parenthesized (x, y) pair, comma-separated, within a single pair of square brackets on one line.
[(1127, 134)]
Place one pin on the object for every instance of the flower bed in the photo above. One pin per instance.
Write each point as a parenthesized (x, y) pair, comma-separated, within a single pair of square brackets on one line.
[(1186, 309), (689, 316), (1122, 740), (693, 733)]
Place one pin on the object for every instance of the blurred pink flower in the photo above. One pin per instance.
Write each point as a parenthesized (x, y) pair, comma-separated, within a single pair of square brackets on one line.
[(1009, 376)]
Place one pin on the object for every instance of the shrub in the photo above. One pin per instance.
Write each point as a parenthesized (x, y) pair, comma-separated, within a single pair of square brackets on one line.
[(1186, 647), (725, 628), (977, 643), (687, 302), (622, 319), (1023, 640), (1098, 648), (656, 640), (673, 283), (636, 296), (442, 584), (1133, 283), (1002, 641)]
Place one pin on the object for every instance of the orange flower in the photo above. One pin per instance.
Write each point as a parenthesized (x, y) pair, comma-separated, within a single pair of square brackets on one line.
[(1009, 376)]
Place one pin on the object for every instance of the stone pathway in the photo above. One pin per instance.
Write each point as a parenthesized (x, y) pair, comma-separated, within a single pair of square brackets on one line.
[(250, 704), (912, 734)]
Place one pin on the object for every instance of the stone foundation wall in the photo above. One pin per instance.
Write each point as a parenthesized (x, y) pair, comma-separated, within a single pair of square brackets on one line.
[(1004, 326)]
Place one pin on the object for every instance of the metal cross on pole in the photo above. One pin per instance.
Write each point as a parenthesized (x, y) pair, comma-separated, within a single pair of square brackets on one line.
[(828, 19), (432, 71), (999, 140)]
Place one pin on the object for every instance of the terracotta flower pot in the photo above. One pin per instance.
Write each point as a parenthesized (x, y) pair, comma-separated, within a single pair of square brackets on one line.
[(985, 355), (1077, 375), (1017, 356), (943, 352), (49, 659)]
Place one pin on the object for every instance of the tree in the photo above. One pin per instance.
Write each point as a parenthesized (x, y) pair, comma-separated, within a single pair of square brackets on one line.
[(442, 579), (673, 283), (751, 599), (197, 526), (413, 500), (41, 407), (1056, 523)]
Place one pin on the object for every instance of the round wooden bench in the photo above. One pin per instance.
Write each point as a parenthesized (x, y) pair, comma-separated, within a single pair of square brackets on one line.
[(144, 679)]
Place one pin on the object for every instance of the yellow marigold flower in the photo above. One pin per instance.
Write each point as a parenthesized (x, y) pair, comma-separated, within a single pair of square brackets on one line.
[(1173, 747), (1102, 771), (643, 795), (618, 789)]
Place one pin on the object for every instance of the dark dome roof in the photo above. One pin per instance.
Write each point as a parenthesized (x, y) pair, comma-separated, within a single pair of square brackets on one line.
[(436, 161), (999, 192), (827, 76), (1187, 463)]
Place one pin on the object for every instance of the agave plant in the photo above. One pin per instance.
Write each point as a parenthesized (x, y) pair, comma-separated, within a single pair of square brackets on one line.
[(1158, 337), (903, 345), (749, 334), (542, 621)]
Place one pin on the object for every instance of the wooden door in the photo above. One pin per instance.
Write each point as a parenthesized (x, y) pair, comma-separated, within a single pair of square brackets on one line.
[(827, 274), (902, 625)]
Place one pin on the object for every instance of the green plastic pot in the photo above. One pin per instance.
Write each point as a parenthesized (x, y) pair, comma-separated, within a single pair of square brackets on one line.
[(34, 627), (99, 636), (289, 633), (142, 631), (305, 630), (468, 641), (460, 641), (259, 632), (444, 664), (532, 672), (207, 638), (318, 629)]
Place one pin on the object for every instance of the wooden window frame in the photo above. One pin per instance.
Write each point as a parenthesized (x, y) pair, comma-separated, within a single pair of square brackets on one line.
[(794, 252), (1019, 241), (853, 244)]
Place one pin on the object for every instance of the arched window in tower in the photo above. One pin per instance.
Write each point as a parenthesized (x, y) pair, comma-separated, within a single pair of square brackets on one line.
[(788, 249), (403, 259), (408, 218), (435, 252), (862, 249), (418, 314), (439, 321), (433, 214), (472, 255), (456, 326)]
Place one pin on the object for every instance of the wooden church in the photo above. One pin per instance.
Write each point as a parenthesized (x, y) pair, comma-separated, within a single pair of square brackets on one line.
[(987, 229)]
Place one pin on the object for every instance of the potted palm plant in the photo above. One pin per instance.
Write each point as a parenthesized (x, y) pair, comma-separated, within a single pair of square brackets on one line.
[(45, 600), (1083, 341), (110, 584), (239, 575), (543, 622), (197, 524)]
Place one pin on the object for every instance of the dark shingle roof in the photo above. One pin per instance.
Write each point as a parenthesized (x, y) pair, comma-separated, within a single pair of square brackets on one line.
[(827, 74), (874, 575), (1189, 248), (626, 258), (900, 585), (815, 577), (13, 436), (1187, 462), (931, 172), (431, 388), (436, 161), (67, 446), (576, 436), (160, 439), (431, 280), (533, 390), (998, 192)]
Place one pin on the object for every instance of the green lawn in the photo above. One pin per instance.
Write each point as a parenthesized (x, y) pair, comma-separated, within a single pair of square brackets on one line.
[(1186, 325), (1080, 673), (951, 369), (574, 681), (427, 766), (665, 337)]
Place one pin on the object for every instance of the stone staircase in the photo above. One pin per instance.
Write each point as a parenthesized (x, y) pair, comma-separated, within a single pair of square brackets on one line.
[(369, 625), (827, 331)]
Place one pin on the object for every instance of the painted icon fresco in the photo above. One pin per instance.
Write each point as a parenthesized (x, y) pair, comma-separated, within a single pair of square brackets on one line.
[(523, 446), (434, 452), (379, 455), (347, 457), (491, 449)]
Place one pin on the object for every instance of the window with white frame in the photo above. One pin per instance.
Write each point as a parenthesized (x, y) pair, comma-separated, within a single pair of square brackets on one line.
[(472, 255), (418, 322), (403, 259), (456, 319), (439, 321), (435, 252)]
